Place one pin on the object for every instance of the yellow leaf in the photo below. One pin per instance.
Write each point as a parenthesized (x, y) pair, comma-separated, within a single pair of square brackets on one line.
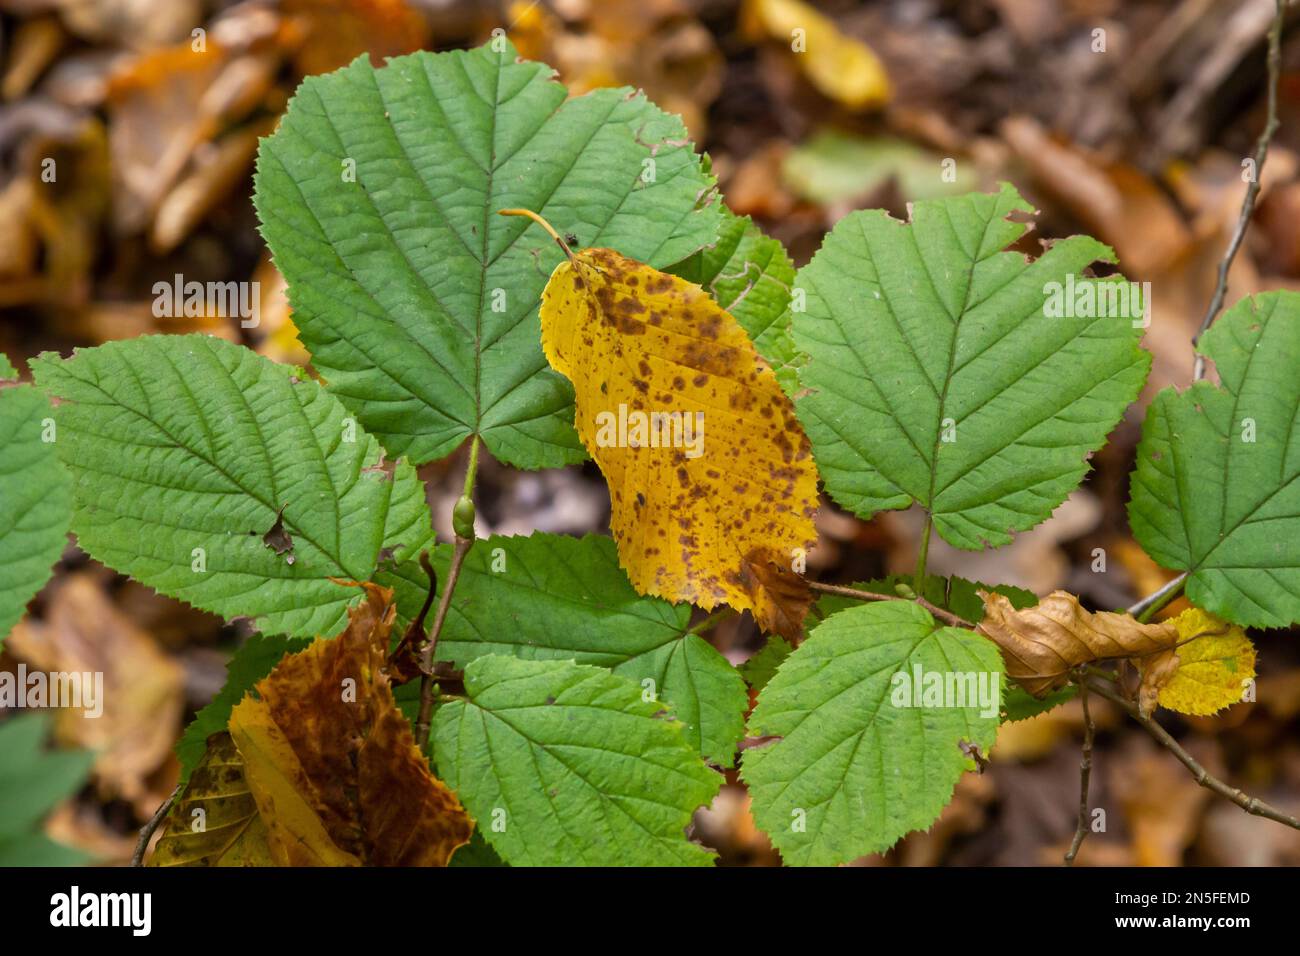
[(215, 821), (1041, 644), (712, 482), (1210, 670), (842, 68), (332, 762)]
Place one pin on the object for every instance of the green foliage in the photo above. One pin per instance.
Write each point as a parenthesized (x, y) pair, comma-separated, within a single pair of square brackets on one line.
[(188, 453), (253, 661), (1216, 491), (563, 764), (32, 782), (548, 597), (762, 667), (854, 769), (379, 194), (935, 375), (35, 499)]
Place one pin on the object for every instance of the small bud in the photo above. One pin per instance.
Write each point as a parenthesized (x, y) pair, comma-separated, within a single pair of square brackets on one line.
[(902, 590), (462, 518)]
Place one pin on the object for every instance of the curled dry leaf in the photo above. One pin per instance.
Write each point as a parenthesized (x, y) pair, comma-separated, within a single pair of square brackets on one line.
[(1041, 644), (712, 482), (332, 762)]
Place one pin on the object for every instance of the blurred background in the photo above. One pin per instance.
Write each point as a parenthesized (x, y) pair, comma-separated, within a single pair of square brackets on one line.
[(1126, 119)]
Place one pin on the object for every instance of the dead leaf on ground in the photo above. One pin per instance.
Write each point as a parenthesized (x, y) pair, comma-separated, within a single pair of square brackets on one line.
[(712, 481), (332, 762), (1041, 644), (143, 688)]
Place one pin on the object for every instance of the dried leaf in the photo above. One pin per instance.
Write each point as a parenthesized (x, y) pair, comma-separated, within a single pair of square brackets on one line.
[(712, 482), (1041, 644), (332, 762), (215, 821), (1208, 671)]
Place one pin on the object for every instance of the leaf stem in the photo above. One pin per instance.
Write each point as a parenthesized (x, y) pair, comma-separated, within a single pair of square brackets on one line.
[(1252, 188), (460, 549), (713, 619), (1252, 805), (946, 616), (1152, 604), (545, 225), (918, 579)]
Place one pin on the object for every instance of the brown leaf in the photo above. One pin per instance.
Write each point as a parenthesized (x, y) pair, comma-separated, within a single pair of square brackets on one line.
[(1041, 644), (332, 762)]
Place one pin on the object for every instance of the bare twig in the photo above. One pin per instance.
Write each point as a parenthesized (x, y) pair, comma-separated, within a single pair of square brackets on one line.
[(946, 616), (1252, 805), (1150, 605), (147, 831), (1252, 188), (1085, 778)]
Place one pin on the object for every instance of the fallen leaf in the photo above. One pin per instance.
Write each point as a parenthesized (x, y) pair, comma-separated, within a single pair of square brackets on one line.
[(703, 516), (1208, 670), (332, 763), (1041, 644), (139, 694), (215, 821), (842, 68)]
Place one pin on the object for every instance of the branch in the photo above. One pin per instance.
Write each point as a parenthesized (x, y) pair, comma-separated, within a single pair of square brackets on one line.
[(1146, 608), (147, 831), (946, 616), (1251, 805), (1252, 188), (463, 526), (1085, 778)]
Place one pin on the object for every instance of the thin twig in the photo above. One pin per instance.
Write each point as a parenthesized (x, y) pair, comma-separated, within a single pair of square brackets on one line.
[(1252, 805), (147, 831), (1146, 608), (1085, 778), (460, 549), (1252, 188), (946, 616)]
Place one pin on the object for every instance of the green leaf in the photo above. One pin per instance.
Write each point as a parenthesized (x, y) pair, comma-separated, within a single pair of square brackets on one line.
[(250, 663), (1019, 704), (937, 374), (573, 764), (858, 766), (35, 501), (418, 302), (836, 167), (477, 853), (7, 370), (750, 274), (759, 670), (180, 443), (32, 782), (551, 597), (1216, 492)]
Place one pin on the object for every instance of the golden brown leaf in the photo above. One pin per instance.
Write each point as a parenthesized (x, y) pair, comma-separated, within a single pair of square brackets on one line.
[(332, 762), (712, 482), (1041, 644)]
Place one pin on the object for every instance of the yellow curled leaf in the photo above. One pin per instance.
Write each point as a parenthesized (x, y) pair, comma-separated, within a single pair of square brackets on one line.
[(711, 479), (1213, 668)]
